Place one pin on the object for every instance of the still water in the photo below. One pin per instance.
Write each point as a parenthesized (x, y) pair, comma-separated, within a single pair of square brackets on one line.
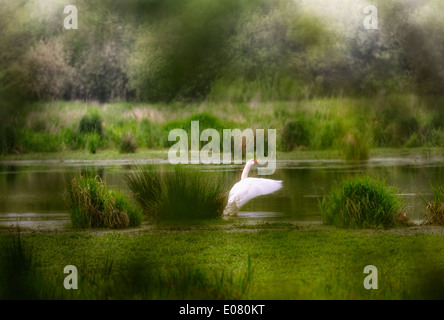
[(33, 190)]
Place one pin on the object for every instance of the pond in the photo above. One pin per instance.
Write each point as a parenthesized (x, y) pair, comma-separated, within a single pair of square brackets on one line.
[(32, 191)]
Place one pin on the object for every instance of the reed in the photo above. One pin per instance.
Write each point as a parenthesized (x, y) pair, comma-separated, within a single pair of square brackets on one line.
[(93, 205), (178, 194), (435, 207), (363, 202)]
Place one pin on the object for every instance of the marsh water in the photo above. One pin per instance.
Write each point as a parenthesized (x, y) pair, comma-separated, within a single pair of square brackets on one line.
[(32, 191)]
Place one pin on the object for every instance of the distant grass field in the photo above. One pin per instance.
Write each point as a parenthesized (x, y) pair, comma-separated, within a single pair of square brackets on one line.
[(283, 263), (348, 128)]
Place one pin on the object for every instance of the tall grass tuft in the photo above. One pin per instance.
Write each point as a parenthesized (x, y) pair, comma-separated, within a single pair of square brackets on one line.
[(93, 205), (435, 207), (128, 143), (363, 202), (295, 134), (93, 142), (354, 147), (177, 194), (91, 123)]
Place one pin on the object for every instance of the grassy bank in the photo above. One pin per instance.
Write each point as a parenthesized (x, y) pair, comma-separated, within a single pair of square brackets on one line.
[(339, 127), (284, 263), (162, 154)]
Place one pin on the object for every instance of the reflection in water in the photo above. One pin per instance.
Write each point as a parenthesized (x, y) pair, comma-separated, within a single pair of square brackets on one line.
[(38, 189)]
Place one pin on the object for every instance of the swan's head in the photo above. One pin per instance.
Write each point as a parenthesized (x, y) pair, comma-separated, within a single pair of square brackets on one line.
[(251, 162)]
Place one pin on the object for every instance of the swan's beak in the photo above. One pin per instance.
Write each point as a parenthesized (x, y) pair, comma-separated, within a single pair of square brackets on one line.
[(255, 160)]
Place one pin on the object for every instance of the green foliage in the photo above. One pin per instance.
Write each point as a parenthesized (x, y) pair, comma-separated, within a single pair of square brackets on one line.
[(354, 147), (18, 270), (91, 123), (435, 207), (8, 139), (93, 205), (363, 202), (93, 142), (22, 276), (73, 139), (127, 143), (46, 69), (228, 262), (414, 141), (258, 50), (206, 121), (349, 125), (179, 194), (295, 134), (330, 134), (394, 124), (149, 134), (183, 55), (39, 141)]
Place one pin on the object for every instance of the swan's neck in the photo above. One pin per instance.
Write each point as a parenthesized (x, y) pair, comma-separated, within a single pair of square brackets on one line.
[(246, 170)]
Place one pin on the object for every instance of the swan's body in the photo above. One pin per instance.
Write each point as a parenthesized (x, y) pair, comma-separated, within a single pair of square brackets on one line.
[(249, 188)]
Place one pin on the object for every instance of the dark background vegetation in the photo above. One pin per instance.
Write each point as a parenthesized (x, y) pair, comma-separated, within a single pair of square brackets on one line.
[(237, 51)]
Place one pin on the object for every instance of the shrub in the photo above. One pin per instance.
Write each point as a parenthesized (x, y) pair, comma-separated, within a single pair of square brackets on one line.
[(354, 147), (414, 141), (39, 141), (127, 143), (8, 139), (295, 134), (46, 70), (91, 123), (93, 142), (177, 195), (363, 202), (93, 205), (394, 125), (73, 139), (435, 207), (206, 121), (330, 133), (149, 134)]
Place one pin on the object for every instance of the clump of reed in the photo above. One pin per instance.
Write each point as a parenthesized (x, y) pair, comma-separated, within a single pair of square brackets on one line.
[(91, 123), (354, 147), (92, 204), (295, 134), (435, 207), (128, 143), (178, 194), (363, 202)]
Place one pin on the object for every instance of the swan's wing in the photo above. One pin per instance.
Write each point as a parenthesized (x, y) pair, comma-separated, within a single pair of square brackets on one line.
[(250, 188)]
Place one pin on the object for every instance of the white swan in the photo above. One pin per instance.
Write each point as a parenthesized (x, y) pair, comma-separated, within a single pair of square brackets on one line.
[(249, 188)]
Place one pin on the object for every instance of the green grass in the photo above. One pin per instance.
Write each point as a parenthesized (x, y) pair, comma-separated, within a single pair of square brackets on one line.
[(328, 124), (215, 264), (363, 202), (354, 147), (177, 193), (91, 123), (94, 205), (128, 143), (435, 207), (22, 278)]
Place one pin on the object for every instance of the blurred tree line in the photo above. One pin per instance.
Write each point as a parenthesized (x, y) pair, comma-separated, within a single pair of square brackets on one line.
[(163, 50)]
